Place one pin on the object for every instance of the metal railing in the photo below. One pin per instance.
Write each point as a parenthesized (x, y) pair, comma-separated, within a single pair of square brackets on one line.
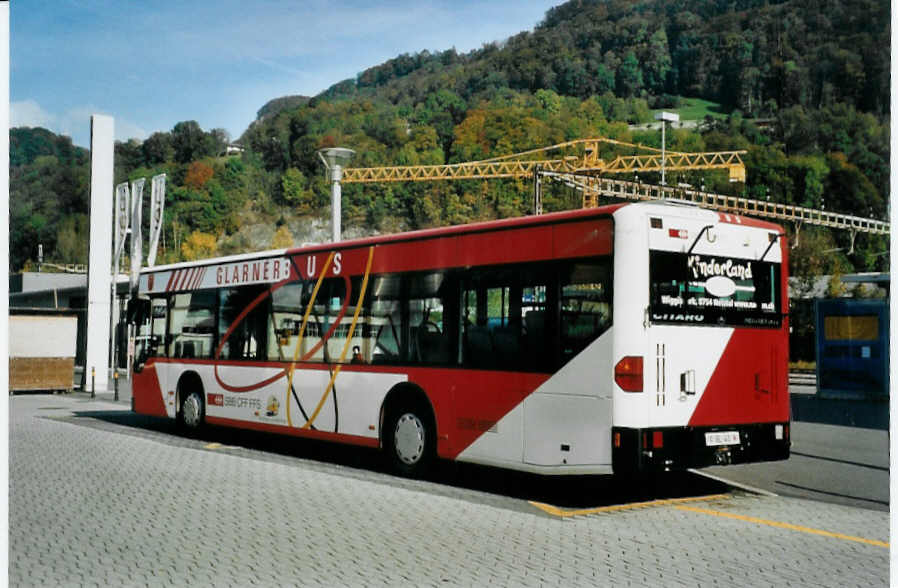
[(593, 188)]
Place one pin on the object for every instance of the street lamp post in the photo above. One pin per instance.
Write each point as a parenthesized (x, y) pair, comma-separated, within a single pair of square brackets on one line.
[(665, 117), (334, 160)]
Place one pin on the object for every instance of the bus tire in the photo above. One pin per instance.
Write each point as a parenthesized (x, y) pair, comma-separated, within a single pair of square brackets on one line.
[(192, 407), (409, 439)]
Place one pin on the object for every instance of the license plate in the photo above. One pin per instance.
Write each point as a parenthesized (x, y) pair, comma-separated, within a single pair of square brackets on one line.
[(722, 438)]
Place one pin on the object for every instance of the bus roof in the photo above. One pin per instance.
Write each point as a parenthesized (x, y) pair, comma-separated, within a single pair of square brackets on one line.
[(478, 227)]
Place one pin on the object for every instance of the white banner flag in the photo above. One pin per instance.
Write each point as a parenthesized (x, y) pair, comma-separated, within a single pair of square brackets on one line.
[(122, 216), (157, 204), (136, 233)]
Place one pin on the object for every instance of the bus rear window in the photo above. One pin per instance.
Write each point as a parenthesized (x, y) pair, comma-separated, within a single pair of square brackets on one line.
[(718, 290)]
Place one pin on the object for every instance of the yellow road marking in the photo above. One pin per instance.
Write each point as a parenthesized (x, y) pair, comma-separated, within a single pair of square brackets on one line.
[(781, 525), (555, 511), (678, 503), (217, 446)]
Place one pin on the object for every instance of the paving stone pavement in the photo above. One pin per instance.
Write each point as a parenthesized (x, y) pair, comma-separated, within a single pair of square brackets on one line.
[(94, 507)]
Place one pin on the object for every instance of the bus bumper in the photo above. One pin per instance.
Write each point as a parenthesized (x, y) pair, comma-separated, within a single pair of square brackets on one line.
[(679, 448)]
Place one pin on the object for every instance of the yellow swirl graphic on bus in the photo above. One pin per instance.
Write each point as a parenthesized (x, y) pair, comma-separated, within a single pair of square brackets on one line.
[(355, 319), (302, 328)]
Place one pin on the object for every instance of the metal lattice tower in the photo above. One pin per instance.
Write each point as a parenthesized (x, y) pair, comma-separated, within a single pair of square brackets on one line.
[(593, 188)]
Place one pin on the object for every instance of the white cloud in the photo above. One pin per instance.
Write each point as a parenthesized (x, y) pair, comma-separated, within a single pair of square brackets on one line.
[(28, 113), (125, 130), (74, 122), (277, 66)]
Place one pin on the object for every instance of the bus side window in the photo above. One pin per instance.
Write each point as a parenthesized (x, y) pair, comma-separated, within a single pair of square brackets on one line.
[(429, 332), (151, 328), (477, 341), (247, 335), (504, 322), (357, 348), (504, 319), (192, 326), (585, 305), (159, 315), (534, 339), (384, 318), (284, 323)]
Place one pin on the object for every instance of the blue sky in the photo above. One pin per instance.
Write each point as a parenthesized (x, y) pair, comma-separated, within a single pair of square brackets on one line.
[(153, 64)]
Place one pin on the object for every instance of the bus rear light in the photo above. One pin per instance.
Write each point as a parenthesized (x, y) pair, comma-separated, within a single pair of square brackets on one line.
[(678, 233), (657, 439), (628, 373), (617, 439)]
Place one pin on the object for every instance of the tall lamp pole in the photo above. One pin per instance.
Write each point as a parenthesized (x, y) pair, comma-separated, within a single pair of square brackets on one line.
[(665, 117), (334, 160)]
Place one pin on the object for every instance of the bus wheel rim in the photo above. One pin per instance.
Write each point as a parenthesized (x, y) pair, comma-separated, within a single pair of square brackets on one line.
[(409, 439), (192, 410)]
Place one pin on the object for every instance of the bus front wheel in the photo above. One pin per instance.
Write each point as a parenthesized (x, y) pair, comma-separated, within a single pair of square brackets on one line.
[(192, 411), (410, 440)]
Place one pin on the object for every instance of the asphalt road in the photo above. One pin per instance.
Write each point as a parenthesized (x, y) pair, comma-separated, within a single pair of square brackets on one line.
[(100, 496), (841, 465)]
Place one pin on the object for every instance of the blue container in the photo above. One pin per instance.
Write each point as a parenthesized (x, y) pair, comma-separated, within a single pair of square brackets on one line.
[(852, 348)]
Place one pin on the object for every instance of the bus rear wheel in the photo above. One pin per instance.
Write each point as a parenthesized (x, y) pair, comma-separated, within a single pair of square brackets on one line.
[(410, 441)]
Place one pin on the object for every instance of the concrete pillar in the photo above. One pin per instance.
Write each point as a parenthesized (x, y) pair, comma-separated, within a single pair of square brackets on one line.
[(99, 278), (4, 223)]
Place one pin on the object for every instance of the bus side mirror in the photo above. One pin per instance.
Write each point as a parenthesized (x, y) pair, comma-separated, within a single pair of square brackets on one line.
[(138, 311)]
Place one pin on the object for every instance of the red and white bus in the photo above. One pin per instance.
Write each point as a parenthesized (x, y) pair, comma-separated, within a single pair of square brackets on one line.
[(628, 338)]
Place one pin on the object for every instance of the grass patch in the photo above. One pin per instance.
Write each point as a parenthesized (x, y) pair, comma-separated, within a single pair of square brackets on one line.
[(695, 109)]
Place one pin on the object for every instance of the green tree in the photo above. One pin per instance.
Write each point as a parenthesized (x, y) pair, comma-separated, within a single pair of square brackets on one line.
[(296, 192), (628, 81), (442, 110), (847, 189), (657, 62), (548, 101), (157, 148), (72, 239), (218, 140), (808, 173), (127, 156), (814, 254), (190, 142)]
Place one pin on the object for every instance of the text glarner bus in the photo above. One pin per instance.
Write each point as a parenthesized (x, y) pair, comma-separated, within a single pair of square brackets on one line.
[(629, 338)]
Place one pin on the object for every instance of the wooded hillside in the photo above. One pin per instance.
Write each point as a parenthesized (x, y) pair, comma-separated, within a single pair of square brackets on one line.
[(815, 72)]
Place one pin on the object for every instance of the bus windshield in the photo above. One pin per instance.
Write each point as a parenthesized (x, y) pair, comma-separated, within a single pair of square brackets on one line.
[(709, 289)]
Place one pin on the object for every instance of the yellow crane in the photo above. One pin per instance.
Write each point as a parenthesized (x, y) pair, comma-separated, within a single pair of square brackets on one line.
[(581, 165), (581, 156)]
